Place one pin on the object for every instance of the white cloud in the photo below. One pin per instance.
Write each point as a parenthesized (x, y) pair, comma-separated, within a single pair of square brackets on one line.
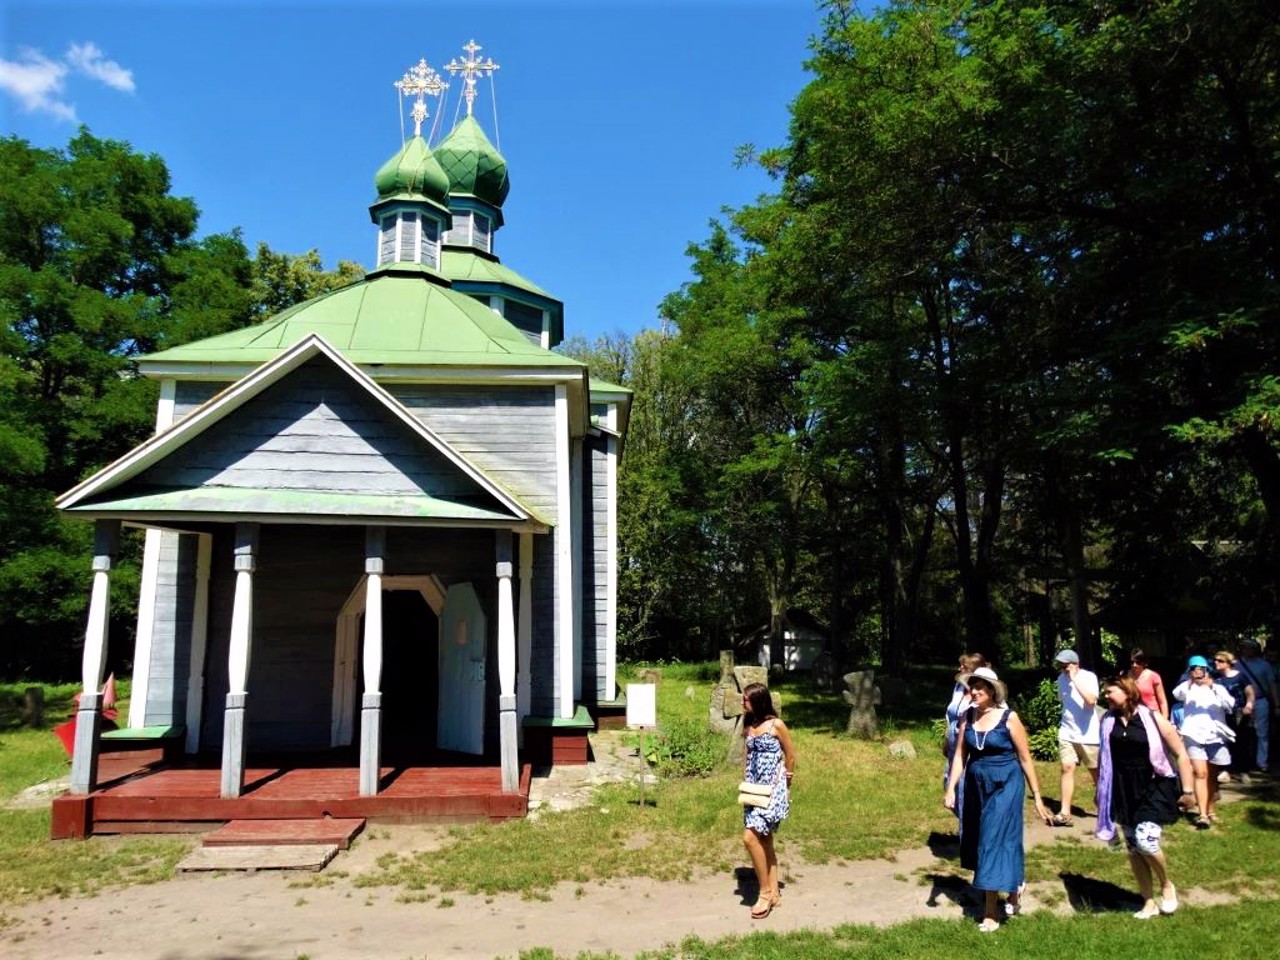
[(89, 60), (36, 82)]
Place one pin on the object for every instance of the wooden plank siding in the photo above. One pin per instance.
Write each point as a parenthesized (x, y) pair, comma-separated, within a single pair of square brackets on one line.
[(190, 394), (509, 433), (171, 630), (595, 569), (314, 430)]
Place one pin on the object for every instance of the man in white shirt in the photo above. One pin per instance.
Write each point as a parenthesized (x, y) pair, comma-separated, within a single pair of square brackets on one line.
[(1078, 730)]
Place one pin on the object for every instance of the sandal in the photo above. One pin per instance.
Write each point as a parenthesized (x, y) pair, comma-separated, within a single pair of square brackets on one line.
[(1014, 907), (1059, 820), (1169, 902), (1146, 913), (989, 925), (767, 903), (1203, 822)]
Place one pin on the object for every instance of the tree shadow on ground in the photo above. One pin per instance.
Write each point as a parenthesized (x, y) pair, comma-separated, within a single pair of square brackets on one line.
[(1087, 895)]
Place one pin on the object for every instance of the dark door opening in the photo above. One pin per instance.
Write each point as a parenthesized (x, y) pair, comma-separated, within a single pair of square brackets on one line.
[(410, 679)]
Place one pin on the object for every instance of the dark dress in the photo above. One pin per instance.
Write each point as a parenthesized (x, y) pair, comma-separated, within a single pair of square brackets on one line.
[(991, 810), (1138, 793)]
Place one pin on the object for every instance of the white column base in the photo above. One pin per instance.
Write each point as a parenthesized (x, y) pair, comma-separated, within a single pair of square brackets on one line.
[(507, 744), (84, 757), (370, 743), (233, 746)]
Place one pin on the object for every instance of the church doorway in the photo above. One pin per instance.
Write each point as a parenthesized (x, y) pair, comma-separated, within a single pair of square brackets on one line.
[(410, 679)]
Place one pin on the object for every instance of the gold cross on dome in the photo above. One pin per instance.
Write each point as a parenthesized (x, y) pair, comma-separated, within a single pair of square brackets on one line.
[(420, 81), (470, 68)]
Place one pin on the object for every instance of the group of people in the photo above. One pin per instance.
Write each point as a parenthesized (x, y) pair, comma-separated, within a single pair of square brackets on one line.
[(1145, 769), (1149, 758)]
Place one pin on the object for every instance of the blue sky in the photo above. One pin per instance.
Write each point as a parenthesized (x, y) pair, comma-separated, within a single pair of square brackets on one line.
[(619, 120)]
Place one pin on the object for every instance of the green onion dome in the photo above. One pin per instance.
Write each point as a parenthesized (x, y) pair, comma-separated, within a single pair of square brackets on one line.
[(413, 171), (473, 164)]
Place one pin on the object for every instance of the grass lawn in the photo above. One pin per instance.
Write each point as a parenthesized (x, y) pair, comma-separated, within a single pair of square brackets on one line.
[(31, 865), (851, 801)]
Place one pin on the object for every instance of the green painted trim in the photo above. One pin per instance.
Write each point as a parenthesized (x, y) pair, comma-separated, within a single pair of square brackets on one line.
[(146, 733), (309, 503), (581, 718)]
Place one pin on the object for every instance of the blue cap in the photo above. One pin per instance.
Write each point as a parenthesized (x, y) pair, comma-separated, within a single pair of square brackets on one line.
[(1197, 662)]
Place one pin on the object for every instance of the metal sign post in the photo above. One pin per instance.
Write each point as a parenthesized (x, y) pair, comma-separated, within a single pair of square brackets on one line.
[(642, 715)]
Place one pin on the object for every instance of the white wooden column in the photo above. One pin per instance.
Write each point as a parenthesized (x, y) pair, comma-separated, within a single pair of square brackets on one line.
[(246, 558), (84, 757), (507, 727), (564, 558), (524, 633), (375, 545), (199, 641)]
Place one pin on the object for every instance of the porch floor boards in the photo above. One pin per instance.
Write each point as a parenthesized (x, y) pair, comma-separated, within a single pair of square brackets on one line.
[(189, 795)]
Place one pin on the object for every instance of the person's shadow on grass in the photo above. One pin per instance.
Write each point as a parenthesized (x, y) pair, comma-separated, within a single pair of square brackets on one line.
[(1087, 895)]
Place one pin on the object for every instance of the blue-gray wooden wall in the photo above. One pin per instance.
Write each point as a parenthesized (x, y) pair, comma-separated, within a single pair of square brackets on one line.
[(595, 569)]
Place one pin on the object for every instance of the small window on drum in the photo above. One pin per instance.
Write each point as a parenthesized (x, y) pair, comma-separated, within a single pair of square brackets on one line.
[(480, 235), (430, 252)]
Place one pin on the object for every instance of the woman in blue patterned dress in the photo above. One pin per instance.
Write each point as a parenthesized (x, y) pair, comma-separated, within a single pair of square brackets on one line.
[(771, 759), (995, 761)]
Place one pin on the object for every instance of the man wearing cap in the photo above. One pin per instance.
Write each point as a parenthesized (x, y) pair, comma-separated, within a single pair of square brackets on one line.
[(1078, 729)]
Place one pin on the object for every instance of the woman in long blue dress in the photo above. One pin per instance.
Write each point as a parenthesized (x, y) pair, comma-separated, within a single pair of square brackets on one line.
[(771, 760), (995, 762)]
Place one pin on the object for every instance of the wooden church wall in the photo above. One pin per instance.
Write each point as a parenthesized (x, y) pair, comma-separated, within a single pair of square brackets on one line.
[(304, 575), (544, 671), (508, 432), (314, 430), (171, 630), (595, 568)]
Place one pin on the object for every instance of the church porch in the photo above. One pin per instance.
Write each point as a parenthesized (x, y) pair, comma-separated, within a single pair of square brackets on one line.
[(186, 796)]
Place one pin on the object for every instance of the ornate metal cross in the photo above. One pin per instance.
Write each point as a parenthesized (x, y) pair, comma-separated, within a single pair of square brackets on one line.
[(470, 68), (420, 81)]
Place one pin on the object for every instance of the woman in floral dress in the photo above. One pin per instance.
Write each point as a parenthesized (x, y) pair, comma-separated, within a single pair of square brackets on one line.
[(771, 760)]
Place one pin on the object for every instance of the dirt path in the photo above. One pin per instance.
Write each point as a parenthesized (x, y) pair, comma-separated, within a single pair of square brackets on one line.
[(203, 917)]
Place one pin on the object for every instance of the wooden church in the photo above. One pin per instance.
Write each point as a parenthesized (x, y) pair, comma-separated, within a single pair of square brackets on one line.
[(380, 570)]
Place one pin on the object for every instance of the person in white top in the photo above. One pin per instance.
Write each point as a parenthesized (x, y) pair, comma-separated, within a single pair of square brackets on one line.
[(1078, 729), (1205, 732)]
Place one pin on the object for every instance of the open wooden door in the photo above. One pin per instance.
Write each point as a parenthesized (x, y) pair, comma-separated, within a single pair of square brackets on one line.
[(462, 671)]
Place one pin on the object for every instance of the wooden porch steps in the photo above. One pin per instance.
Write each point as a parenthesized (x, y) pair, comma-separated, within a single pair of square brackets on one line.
[(278, 833), (295, 856)]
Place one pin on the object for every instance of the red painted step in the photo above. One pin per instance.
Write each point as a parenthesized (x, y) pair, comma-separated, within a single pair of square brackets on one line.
[(254, 833)]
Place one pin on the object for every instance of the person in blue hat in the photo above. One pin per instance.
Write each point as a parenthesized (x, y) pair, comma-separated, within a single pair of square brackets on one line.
[(1206, 733)]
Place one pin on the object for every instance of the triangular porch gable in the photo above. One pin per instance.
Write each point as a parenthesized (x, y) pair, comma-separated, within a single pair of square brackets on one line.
[(306, 434)]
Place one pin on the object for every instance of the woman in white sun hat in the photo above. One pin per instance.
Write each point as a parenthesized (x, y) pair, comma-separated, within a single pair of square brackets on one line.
[(995, 762)]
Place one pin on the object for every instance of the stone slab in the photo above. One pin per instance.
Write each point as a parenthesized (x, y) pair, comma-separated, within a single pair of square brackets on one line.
[(310, 856), (245, 833)]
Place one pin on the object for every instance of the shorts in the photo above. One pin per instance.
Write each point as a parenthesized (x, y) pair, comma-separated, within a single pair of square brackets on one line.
[(1074, 754), (1216, 753)]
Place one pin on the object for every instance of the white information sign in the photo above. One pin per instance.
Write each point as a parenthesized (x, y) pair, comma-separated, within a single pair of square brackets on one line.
[(642, 705)]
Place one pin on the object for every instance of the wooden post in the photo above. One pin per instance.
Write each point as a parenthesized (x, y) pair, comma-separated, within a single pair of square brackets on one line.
[(375, 546), (246, 550), (507, 735), (33, 706), (84, 757)]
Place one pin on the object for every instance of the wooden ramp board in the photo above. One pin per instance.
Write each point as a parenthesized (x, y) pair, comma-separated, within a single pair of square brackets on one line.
[(311, 856), (276, 833)]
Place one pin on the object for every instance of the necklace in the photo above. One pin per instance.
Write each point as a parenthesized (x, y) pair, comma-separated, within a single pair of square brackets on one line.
[(980, 736)]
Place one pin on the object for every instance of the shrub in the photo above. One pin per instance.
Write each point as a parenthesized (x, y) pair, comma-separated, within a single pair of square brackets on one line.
[(687, 748), (1040, 714)]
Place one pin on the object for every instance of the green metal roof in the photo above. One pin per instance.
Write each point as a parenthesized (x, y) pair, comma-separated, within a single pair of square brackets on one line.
[(397, 316), (462, 265), (299, 503), (473, 164), (412, 173)]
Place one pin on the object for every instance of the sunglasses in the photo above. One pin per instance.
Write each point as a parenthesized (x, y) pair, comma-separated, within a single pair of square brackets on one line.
[(1221, 660)]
